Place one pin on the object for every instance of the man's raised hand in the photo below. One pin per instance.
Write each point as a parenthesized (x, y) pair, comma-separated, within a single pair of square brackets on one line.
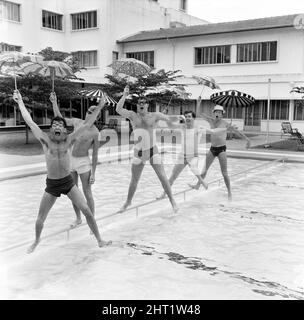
[(53, 97), (126, 90), (17, 96)]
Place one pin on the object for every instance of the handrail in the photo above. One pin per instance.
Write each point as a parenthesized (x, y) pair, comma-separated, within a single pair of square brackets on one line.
[(67, 230)]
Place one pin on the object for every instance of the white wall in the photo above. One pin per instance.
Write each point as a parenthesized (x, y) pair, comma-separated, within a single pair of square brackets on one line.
[(116, 19), (252, 78)]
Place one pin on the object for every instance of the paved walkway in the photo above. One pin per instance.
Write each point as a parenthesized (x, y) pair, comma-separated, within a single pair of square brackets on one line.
[(17, 166)]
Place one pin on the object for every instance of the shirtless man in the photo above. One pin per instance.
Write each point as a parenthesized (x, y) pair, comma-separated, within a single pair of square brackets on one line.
[(80, 160), (57, 146), (189, 152), (143, 123), (218, 145)]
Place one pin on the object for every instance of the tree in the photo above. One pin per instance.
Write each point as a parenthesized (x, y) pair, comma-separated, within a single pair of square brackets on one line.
[(116, 86), (36, 89)]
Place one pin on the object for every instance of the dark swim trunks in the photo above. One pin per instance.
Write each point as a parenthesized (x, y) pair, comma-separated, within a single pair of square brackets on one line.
[(146, 154), (217, 150), (56, 187)]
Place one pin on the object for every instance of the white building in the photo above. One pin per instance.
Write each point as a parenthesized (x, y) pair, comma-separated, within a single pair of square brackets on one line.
[(240, 55), (89, 29)]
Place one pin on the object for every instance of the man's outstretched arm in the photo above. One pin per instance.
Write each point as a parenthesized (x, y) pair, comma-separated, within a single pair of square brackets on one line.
[(53, 99), (56, 110), (94, 158), (88, 123), (119, 107), (205, 116), (172, 121), (240, 134), (37, 132)]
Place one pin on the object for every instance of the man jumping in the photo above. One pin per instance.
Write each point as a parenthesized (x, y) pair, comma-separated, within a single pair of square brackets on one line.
[(81, 166), (218, 145), (57, 147), (145, 149)]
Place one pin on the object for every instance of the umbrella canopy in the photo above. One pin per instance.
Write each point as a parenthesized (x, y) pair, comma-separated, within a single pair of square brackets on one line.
[(174, 89), (232, 98), (97, 94), (298, 90), (130, 67), (13, 62), (206, 81), (50, 69)]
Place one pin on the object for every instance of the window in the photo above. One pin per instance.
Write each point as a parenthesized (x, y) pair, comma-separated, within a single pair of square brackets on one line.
[(212, 55), (299, 110), (114, 55), (279, 109), (84, 20), (10, 11), (258, 51), (9, 47), (86, 58), (51, 20), (144, 56), (183, 4), (234, 113)]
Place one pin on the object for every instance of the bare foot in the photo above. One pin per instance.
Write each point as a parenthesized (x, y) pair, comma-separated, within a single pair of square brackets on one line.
[(175, 208), (33, 246), (124, 207), (103, 243), (194, 186), (229, 196), (205, 185), (76, 223), (162, 196)]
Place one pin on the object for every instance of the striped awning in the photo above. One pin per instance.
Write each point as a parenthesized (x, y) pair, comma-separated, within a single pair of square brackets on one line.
[(97, 94), (232, 98)]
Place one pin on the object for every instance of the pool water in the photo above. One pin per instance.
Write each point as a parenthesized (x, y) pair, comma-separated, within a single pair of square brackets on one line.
[(250, 248)]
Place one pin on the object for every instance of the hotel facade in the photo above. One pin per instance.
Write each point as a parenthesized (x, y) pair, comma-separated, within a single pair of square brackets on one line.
[(261, 57), (88, 29)]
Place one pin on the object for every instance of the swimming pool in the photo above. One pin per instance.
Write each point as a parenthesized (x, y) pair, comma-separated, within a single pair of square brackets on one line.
[(250, 248)]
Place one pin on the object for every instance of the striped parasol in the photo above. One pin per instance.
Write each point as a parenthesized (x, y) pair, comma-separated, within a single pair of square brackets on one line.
[(232, 98), (97, 94), (13, 62), (130, 67), (51, 69)]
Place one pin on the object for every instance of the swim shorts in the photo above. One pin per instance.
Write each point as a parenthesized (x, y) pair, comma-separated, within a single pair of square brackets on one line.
[(145, 155), (80, 164), (56, 187), (217, 150)]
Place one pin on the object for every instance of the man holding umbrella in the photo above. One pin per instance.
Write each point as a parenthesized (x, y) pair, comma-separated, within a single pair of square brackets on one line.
[(80, 161), (218, 144), (56, 146)]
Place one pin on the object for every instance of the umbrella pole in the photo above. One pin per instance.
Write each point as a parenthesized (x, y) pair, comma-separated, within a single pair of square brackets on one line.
[(268, 111), (15, 78), (52, 82), (169, 101), (202, 90)]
